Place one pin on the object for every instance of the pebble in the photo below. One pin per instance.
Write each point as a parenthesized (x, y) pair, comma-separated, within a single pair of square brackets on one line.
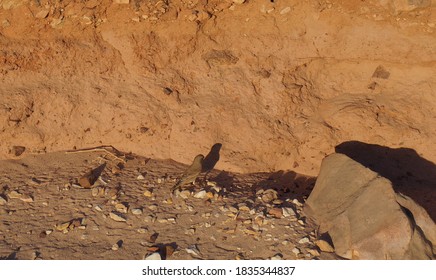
[(94, 191), (277, 257), (193, 250), (6, 23), (26, 198), (185, 194), (3, 200), (244, 208), (239, 1), (296, 251), (140, 177), (324, 246), (304, 240), (152, 207), (115, 247), (296, 202), (287, 212), (121, 1), (190, 231), (136, 211), (154, 256), (14, 194), (301, 222), (98, 208), (117, 217), (212, 184), (120, 207), (63, 226), (269, 195), (276, 212), (201, 194), (148, 193), (150, 219), (313, 252), (42, 14), (141, 230), (285, 10)]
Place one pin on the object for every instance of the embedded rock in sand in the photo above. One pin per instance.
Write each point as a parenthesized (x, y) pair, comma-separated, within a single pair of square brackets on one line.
[(364, 216)]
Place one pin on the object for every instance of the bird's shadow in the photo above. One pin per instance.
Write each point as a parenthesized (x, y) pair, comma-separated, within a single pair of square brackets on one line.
[(211, 159), (410, 174)]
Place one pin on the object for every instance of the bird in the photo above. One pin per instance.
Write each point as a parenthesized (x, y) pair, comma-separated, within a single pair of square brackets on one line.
[(191, 173)]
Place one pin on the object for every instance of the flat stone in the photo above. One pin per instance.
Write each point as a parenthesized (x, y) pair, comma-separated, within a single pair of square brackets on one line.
[(3, 200), (296, 251), (185, 194), (277, 257), (42, 14), (14, 194), (117, 217), (136, 211), (141, 230), (324, 246), (85, 182), (313, 252), (26, 198), (148, 193), (63, 226), (140, 177), (120, 207), (153, 207), (276, 213), (304, 240), (285, 10), (150, 219), (154, 256), (287, 212), (193, 250), (201, 194), (269, 195), (94, 191)]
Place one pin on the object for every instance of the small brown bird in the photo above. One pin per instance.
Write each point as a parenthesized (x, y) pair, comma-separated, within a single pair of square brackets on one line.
[(191, 173)]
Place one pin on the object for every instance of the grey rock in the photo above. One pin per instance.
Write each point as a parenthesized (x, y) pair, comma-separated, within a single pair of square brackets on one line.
[(364, 216)]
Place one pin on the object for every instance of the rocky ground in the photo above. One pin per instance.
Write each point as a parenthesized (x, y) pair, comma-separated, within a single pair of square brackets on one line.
[(129, 212)]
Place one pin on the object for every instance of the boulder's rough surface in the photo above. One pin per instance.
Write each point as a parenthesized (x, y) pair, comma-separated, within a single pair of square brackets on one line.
[(364, 216)]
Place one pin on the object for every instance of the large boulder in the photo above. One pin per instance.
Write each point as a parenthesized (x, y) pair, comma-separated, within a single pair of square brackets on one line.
[(364, 216)]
